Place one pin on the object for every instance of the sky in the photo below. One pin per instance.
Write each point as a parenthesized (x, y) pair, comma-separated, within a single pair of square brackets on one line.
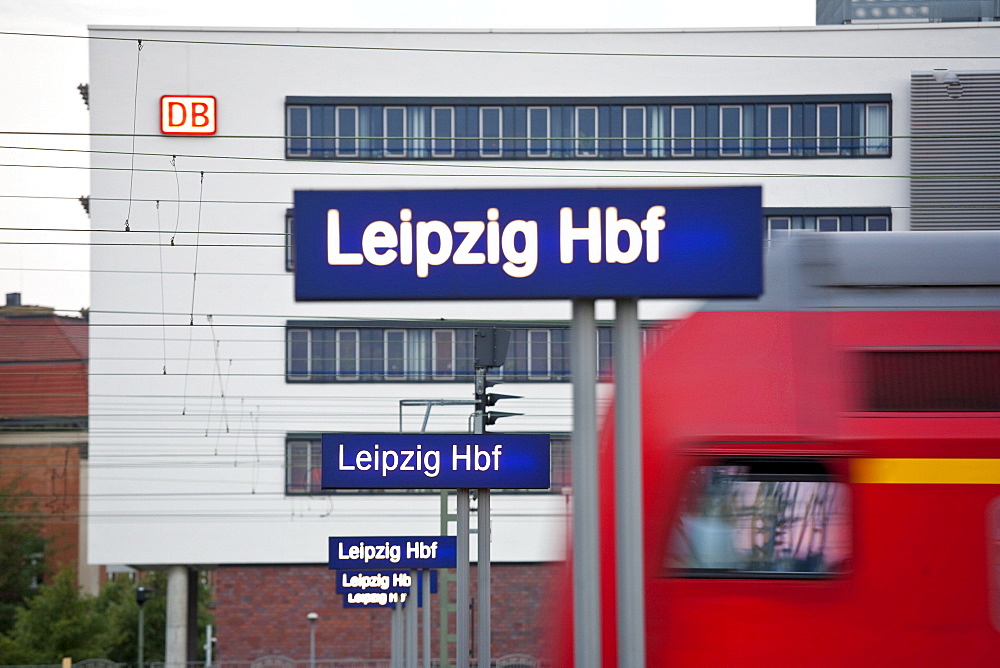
[(43, 227)]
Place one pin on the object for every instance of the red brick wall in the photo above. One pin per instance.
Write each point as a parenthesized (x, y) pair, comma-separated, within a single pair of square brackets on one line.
[(51, 475), (261, 611)]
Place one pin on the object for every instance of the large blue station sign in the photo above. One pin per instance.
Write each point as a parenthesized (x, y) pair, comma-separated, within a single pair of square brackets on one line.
[(435, 461), (393, 552), (528, 244)]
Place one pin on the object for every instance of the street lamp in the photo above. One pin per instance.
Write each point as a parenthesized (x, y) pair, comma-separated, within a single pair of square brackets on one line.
[(141, 596), (312, 617)]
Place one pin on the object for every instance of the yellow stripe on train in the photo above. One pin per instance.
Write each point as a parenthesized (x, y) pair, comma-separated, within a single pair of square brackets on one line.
[(926, 471)]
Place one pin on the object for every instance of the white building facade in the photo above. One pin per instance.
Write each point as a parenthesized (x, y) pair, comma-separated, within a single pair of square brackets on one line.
[(210, 384)]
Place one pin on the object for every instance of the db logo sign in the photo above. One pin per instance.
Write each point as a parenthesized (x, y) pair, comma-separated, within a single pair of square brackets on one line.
[(187, 115)]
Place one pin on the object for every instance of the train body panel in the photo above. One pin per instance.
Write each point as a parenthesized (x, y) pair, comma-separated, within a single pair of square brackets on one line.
[(821, 482)]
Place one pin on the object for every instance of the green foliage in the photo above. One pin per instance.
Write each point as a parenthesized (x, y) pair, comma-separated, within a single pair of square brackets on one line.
[(57, 622), (62, 621), (22, 552)]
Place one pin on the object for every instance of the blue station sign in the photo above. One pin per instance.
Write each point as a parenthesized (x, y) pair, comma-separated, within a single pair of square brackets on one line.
[(388, 580), (435, 461), (369, 552), (528, 244)]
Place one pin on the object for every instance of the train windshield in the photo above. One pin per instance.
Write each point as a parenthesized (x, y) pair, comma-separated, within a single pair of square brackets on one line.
[(762, 518)]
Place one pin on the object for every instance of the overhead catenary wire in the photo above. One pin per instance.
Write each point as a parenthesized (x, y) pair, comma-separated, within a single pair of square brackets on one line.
[(673, 54)]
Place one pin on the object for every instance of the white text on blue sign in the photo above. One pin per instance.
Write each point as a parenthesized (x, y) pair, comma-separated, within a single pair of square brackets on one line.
[(513, 245), (387, 551), (392, 551), (435, 461)]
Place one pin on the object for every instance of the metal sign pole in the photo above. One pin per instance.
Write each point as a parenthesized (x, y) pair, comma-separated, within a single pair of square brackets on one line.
[(483, 575), (395, 633), (586, 548), (462, 581), (628, 487), (427, 617), (411, 621)]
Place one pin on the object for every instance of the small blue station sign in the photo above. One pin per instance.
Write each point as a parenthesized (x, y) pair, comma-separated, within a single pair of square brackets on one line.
[(435, 461)]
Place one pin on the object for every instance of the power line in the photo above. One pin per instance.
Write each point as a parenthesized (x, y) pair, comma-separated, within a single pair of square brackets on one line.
[(515, 52)]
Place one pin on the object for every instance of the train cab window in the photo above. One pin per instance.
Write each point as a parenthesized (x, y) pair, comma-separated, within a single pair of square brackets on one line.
[(762, 518)]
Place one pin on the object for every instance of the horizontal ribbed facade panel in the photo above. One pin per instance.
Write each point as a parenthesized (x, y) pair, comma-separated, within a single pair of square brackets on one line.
[(955, 151)]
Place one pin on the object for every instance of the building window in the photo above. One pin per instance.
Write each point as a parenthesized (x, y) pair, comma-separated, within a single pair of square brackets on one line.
[(762, 518), (347, 132), (347, 354), (490, 131), (443, 131), (779, 127), (731, 130), (682, 136), (634, 124), (289, 240), (299, 353), (539, 353), (828, 223), (298, 130), (444, 354), (395, 354), (778, 226), (877, 223), (877, 129), (394, 124), (828, 129), (586, 131), (303, 466), (538, 131)]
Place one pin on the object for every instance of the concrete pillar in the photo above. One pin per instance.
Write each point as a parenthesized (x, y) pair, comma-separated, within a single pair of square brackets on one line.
[(177, 616)]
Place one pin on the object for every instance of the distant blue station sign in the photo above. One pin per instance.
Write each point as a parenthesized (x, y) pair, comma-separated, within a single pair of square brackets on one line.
[(435, 461), (528, 244), (384, 580), (367, 552)]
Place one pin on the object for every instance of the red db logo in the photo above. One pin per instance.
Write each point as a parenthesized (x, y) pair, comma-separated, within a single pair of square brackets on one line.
[(187, 115)]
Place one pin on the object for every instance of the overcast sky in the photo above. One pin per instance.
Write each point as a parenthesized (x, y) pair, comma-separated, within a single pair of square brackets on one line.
[(39, 76)]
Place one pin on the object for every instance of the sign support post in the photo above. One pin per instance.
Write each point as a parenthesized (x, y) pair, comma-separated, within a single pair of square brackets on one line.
[(586, 562), (462, 581), (426, 630), (628, 488), (411, 621)]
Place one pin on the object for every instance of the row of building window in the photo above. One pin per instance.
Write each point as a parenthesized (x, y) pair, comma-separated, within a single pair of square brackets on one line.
[(610, 131), (304, 466), (783, 225), (318, 353)]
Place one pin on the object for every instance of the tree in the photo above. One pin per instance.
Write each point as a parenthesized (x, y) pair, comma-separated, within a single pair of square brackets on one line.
[(63, 621), (56, 622), (22, 552)]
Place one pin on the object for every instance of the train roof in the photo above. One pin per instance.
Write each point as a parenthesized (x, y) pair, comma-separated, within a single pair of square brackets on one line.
[(877, 270)]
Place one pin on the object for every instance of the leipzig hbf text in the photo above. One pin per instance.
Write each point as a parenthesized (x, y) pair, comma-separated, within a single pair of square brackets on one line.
[(392, 552), (463, 458), (428, 243)]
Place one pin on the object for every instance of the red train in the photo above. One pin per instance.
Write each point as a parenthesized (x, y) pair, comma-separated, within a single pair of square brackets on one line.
[(822, 466)]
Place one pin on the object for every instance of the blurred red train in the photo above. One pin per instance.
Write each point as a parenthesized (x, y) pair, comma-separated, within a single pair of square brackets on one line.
[(821, 466)]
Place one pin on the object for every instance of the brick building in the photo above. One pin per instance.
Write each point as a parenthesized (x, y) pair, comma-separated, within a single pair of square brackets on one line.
[(43, 424)]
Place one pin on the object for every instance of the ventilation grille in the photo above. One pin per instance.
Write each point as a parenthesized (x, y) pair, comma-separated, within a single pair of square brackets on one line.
[(955, 151), (931, 381)]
